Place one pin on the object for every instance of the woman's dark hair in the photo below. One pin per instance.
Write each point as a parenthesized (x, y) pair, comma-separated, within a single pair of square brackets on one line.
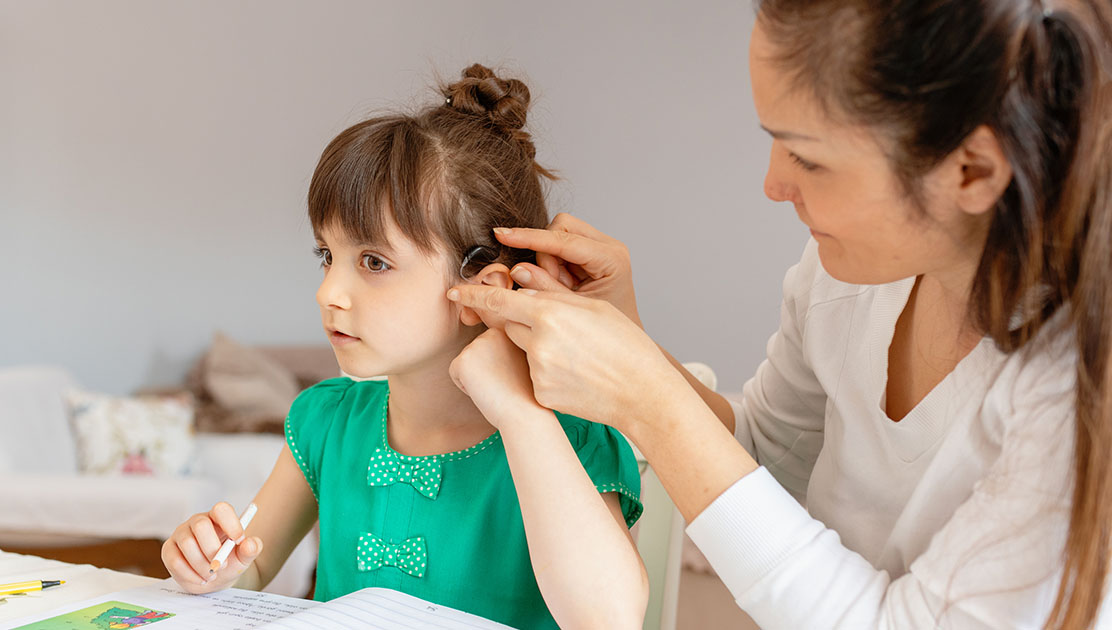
[(925, 74), (446, 175)]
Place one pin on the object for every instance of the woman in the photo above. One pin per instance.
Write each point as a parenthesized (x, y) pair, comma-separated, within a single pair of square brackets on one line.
[(938, 391)]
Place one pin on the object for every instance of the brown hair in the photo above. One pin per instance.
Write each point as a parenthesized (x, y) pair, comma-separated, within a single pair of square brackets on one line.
[(446, 175), (925, 74)]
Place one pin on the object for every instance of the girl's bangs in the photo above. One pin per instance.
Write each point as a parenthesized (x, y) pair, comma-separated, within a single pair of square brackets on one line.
[(368, 175)]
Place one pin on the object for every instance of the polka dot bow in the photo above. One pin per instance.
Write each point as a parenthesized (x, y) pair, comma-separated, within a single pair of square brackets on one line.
[(387, 468), (410, 556)]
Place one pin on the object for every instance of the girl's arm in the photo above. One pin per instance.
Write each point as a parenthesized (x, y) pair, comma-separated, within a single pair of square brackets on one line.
[(585, 563), (286, 512), (287, 497), (584, 559)]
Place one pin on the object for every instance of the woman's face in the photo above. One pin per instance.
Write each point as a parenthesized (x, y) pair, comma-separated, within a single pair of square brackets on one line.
[(839, 180)]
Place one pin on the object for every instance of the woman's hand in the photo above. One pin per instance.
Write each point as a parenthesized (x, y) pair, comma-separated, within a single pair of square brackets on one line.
[(576, 258), (585, 357), (573, 254), (194, 544), (494, 373)]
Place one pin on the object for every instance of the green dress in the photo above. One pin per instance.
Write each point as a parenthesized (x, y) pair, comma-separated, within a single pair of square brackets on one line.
[(445, 528)]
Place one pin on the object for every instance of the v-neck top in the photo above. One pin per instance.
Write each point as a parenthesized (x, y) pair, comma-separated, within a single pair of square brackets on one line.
[(955, 516), (446, 528)]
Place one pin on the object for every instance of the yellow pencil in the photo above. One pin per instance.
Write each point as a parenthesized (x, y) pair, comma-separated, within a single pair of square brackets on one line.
[(27, 587)]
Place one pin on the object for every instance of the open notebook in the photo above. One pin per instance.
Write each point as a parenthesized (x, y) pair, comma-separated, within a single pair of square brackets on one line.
[(164, 606)]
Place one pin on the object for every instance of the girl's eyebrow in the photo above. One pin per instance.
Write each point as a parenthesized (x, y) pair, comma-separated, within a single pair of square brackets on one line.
[(381, 246)]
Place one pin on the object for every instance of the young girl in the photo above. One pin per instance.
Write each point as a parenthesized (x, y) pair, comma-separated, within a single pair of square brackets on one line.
[(503, 510)]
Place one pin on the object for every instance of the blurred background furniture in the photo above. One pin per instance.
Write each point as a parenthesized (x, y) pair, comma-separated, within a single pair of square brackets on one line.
[(52, 509)]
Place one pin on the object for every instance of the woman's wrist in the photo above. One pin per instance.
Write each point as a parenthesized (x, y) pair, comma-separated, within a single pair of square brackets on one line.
[(654, 408)]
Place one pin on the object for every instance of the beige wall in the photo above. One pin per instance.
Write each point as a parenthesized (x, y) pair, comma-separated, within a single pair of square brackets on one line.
[(154, 160)]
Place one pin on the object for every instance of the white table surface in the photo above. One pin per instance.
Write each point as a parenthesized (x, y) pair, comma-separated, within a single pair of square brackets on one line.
[(82, 582)]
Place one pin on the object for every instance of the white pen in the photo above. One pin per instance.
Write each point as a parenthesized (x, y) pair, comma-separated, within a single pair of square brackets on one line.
[(229, 544)]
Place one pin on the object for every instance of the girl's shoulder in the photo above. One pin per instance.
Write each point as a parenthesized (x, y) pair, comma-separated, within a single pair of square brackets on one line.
[(582, 432), (327, 396)]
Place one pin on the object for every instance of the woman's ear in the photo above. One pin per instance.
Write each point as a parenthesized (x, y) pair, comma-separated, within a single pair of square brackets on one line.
[(985, 171), (493, 275)]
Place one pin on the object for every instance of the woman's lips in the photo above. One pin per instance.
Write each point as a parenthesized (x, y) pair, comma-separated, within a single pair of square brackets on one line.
[(338, 338)]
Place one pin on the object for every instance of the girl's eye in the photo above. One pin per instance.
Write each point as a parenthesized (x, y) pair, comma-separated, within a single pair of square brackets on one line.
[(324, 255), (374, 264), (804, 164)]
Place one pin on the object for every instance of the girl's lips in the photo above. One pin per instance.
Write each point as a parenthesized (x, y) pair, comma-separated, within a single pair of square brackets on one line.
[(338, 338)]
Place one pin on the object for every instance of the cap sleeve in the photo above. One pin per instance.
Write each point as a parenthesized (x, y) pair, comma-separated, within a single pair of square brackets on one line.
[(608, 460), (308, 422)]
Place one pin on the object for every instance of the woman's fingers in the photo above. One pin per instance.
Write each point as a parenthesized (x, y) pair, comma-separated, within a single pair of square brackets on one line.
[(518, 306), (519, 334), (567, 223), (554, 267), (594, 256), (536, 278)]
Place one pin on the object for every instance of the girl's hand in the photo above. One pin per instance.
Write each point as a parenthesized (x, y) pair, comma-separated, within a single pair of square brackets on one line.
[(194, 544), (494, 373), (573, 254), (585, 357)]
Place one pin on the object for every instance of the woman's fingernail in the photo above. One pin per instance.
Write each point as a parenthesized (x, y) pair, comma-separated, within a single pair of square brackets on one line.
[(503, 231), (527, 291), (453, 295), (521, 275)]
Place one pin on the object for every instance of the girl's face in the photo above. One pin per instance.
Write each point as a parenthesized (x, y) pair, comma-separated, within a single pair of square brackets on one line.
[(384, 308), (839, 180)]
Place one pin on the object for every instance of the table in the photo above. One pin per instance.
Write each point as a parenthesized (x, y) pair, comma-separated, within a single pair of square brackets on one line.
[(82, 582)]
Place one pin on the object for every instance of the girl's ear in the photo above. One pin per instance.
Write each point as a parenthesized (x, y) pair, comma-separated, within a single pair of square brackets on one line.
[(493, 275)]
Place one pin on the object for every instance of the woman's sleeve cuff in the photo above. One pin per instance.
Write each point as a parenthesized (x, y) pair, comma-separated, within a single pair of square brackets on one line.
[(751, 528)]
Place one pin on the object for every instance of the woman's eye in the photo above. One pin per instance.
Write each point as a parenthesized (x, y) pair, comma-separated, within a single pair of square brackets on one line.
[(804, 164), (325, 256), (374, 264)]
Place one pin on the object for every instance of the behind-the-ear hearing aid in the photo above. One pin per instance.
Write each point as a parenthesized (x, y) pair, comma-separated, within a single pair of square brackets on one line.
[(475, 259)]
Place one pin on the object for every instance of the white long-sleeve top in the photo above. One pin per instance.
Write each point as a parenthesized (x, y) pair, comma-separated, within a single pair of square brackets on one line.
[(954, 517)]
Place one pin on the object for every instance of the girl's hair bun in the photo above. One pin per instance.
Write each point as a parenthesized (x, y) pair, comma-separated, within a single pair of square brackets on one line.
[(504, 102)]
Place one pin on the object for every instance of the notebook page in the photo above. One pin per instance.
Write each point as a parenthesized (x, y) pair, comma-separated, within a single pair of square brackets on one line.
[(382, 609), (172, 609)]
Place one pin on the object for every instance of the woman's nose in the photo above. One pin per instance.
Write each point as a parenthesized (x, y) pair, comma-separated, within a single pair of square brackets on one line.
[(776, 187), (332, 292)]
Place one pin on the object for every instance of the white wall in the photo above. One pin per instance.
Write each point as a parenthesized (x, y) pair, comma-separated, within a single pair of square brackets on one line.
[(155, 157)]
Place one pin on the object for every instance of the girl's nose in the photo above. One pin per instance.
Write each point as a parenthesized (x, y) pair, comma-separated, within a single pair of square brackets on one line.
[(332, 292)]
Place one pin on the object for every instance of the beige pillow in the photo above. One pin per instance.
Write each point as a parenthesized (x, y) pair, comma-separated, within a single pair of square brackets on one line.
[(246, 381)]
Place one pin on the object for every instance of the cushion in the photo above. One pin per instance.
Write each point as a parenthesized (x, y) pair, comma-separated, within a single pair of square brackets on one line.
[(123, 435), (245, 381)]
